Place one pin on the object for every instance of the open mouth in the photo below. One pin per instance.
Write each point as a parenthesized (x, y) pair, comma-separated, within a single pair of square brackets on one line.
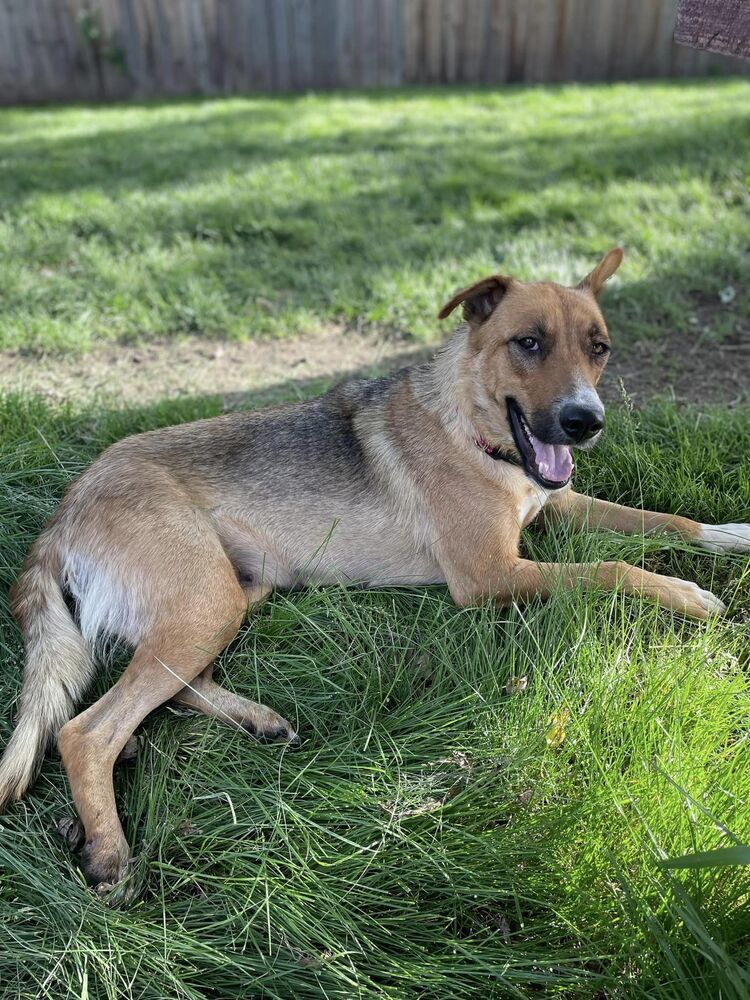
[(550, 464)]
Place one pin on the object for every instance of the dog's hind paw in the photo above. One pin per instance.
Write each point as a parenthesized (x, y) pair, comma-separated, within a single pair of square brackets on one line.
[(272, 730), (104, 860), (129, 752), (725, 537)]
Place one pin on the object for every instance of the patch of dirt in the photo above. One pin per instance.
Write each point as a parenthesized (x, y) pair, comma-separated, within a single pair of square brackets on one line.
[(684, 367), (688, 368), (127, 375)]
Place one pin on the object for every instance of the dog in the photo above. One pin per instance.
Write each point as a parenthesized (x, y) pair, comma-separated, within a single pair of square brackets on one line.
[(426, 476)]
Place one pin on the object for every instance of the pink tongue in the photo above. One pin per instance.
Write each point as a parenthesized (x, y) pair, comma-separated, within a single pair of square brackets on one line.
[(554, 460)]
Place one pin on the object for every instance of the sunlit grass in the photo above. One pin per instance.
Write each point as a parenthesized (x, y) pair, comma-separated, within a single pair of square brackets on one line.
[(259, 216)]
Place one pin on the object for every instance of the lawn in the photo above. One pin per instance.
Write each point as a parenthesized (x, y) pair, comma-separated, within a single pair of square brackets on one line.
[(273, 216), (484, 797), (433, 838)]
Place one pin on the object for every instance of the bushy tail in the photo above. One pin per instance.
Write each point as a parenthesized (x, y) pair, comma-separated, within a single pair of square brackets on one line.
[(58, 670)]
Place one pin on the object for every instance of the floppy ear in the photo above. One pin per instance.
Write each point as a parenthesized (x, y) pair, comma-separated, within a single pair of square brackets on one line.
[(604, 269), (479, 299)]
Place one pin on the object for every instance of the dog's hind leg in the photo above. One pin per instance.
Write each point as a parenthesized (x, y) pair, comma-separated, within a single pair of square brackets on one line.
[(176, 650), (206, 696)]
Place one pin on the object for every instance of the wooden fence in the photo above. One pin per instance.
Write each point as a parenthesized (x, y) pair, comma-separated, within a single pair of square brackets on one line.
[(60, 50)]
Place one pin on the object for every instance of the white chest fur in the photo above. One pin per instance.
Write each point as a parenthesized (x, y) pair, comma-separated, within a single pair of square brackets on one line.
[(532, 502)]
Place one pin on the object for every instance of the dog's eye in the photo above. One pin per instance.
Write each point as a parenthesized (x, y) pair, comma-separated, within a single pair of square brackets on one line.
[(600, 348), (528, 343)]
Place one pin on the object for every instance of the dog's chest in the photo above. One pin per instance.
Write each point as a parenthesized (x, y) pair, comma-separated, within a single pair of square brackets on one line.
[(531, 503)]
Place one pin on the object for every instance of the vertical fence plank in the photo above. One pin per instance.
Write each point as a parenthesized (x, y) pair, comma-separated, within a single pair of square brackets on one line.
[(132, 45), (18, 43), (475, 35), (164, 47), (176, 11), (663, 31), (451, 41), (323, 39), (390, 44), (199, 47), (397, 28), (259, 44), (518, 21), (346, 52), (239, 28), (592, 59), (43, 46), (301, 46), (71, 78), (225, 19), (85, 85), (366, 28), (648, 51), (498, 42), (279, 30), (565, 48), (69, 73), (8, 64), (432, 22), (215, 13), (413, 41), (152, 76), (111, 81), (235, 32), (535, 41), (151, 71)]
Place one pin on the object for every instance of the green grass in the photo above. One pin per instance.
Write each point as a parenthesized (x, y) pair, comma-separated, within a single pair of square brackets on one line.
[(272, 216), (427, 841)]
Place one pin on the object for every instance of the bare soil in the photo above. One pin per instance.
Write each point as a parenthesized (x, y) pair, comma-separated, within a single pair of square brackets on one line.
[(687, 368)]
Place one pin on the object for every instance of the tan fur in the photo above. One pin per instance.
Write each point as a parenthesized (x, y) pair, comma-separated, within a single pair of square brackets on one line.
[(165, 540), (590, 514)]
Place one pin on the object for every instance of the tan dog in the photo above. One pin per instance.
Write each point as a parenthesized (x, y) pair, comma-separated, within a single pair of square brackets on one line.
[(426, 476)]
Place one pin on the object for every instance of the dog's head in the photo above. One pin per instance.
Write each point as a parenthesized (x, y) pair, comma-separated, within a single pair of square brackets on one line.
[(537, 352)]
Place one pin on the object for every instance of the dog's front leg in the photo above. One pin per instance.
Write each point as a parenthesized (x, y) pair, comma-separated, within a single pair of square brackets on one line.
[(522, 580), (588, 513)]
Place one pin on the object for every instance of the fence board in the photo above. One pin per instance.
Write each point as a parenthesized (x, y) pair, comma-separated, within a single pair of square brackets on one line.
[(390, 48), (257, 41), (216, 14), (432, 26), (366, 29), (301, 44), (235, 46), (346, 57), (498, 43), (17, 50), (322, 40), (8, 66)]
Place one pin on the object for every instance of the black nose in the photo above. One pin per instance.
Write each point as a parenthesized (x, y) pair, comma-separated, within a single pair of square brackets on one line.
[(581, 422)]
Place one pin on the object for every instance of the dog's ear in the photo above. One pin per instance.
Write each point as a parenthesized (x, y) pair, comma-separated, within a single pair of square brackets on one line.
[(604, 270), (479, 299)]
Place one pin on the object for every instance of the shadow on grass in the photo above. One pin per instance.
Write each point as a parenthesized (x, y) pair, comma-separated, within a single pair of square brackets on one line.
[(239, 218), (161, 155)]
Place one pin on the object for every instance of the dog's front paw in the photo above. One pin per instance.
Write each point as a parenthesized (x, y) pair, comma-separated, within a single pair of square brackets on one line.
[(725, 537), (685, 597), (690, 599)]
